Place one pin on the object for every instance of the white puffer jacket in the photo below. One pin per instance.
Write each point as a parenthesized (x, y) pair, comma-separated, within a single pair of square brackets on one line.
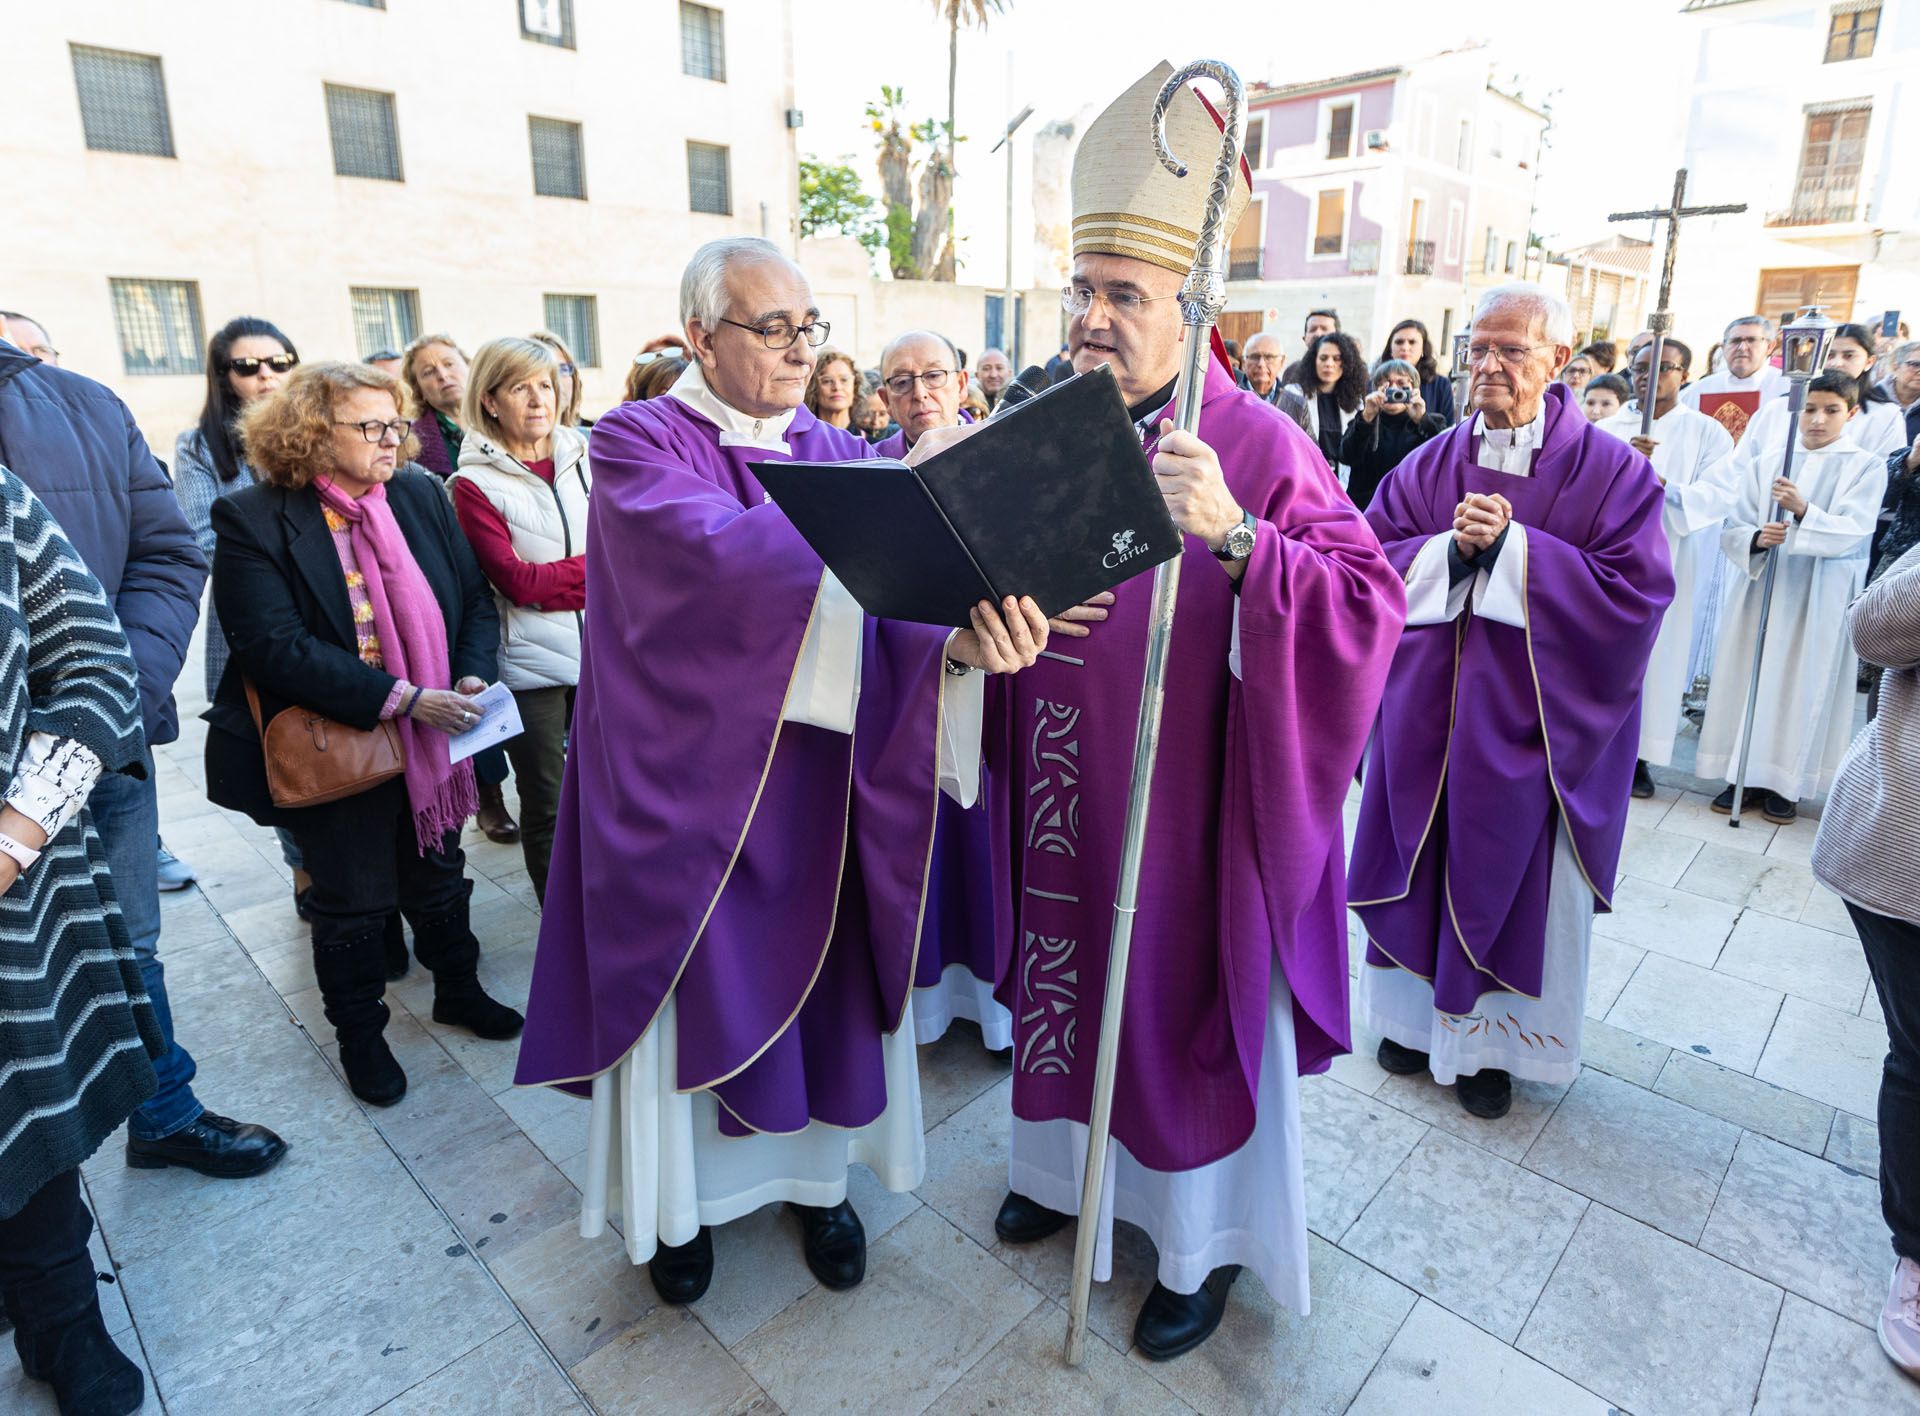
[(538, 648)]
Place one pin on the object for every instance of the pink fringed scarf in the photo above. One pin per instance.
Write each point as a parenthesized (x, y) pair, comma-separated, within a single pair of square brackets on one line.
[(413, 645)]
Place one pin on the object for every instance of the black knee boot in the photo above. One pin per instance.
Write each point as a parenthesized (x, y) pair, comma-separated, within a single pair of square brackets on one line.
[(62, 1340), (352, 974), (446, 945)]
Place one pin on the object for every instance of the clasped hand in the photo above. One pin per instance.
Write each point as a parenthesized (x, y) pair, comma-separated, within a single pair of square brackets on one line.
[(1789, 496), (1479, 521)]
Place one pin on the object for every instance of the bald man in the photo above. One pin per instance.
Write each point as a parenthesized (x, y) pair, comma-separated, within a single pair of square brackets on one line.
[(924, 383), (995, 372), (28, 334)]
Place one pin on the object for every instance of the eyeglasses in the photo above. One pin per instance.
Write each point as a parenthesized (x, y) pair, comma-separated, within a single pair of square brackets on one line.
[(1913, 364), (1078, 299), (373, 430), (781, 335), (1512, 355), (1664, 368), (901, 385), (1747, 339), (566, 369), (247, 366)]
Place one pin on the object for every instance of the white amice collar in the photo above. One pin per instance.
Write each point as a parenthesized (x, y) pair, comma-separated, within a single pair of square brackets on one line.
[(1527, 436), (737, 429)]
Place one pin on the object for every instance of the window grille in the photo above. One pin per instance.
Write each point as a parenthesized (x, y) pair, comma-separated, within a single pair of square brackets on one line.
[(576, 319), (384, 319), (559, 165), (366, 139), (123, 101), (709, 180), (158, 322)]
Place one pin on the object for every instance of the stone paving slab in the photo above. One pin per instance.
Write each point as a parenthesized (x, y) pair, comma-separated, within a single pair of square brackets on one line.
[(425, 1260)]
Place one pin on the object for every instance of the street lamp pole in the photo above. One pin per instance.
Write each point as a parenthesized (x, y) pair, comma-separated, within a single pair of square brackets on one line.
[(1009, 332)]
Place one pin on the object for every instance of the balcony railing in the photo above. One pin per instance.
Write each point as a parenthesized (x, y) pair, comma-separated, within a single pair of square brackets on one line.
[(1420, 258), (1815, 211), (1244, 265)]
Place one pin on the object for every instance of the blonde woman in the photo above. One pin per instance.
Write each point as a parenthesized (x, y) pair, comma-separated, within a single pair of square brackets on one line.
[(521, 494)]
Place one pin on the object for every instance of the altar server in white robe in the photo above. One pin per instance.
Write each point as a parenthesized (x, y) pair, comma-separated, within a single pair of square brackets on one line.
[(1686, 447), (1804, 714)]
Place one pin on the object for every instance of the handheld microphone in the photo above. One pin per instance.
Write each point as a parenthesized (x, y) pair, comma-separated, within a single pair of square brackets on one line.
[(1031, 384)]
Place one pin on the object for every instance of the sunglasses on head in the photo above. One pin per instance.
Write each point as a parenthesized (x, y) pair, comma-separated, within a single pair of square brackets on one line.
[(247, 367)]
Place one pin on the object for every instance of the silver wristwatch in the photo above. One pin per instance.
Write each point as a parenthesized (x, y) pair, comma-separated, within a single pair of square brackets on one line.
[(1239, 543)]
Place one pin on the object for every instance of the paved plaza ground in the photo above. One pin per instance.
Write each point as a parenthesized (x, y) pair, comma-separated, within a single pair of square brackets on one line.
[(1691, 1227)]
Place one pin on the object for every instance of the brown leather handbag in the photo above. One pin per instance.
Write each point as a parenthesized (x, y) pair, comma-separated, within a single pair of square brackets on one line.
[(312, 760)]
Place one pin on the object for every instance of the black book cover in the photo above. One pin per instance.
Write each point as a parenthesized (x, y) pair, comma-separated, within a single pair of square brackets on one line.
[(1053, 498)]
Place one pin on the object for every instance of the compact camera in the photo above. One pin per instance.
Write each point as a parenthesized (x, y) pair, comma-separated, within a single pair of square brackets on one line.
[(1392, 393)]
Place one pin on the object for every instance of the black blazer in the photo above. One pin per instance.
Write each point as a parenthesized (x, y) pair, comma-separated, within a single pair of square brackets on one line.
[(282, 603)]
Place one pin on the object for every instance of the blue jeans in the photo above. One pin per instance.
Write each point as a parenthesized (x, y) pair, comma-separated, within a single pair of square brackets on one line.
[(126, 813)]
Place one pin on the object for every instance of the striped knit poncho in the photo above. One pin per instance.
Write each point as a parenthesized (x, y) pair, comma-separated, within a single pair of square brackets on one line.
[(76, 1026)]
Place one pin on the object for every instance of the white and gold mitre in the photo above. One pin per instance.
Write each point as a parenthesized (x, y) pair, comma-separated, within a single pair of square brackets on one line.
[(1125, 202)]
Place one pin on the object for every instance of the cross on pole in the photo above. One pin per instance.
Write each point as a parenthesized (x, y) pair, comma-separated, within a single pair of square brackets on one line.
[(1662, 318)]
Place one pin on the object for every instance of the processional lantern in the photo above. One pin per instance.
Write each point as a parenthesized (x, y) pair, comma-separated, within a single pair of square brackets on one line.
[(1804, 344)]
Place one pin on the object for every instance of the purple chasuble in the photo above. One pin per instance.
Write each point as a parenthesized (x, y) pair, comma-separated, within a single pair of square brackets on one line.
[(895, 443), (768, 876), (1243, 862), (1533, 725)]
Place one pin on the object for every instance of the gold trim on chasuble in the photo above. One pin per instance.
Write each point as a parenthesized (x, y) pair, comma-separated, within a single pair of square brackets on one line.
[(753, 807)]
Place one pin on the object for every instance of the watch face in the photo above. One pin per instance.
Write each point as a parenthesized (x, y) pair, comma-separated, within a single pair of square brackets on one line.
[(1240, 542)]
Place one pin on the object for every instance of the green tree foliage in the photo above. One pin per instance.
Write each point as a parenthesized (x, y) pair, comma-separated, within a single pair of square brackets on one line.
[(832, 200)]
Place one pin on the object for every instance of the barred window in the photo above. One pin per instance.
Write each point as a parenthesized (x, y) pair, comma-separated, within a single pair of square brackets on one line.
[(366, 138), (123, 101), (576, 319), (703, 42), (709, 180), (384, 319), (159, 325), (559, 165), (370, 4), (547, 21)]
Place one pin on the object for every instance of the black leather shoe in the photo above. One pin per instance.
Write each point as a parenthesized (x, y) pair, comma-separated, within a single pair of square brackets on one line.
[(835, 1243), (681, 1272), (1172, 1323), (1643, 781), (1724, 802), (373, 1073), (1778, 809), (1401, 1061), (1022, 1221), (1488, 1093), (213, 1145), (89, 1374)]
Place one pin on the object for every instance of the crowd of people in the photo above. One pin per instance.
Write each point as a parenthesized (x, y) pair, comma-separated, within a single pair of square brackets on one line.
[(716, 749)]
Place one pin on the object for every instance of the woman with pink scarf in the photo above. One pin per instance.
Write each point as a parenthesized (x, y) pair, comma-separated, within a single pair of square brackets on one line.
[(345, 587)]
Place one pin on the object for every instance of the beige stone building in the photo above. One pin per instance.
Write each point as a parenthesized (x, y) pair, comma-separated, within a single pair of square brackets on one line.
[(359, 172)]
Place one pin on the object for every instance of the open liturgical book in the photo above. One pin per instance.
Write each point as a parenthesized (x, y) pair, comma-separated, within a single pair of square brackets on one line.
[(1053, 498)]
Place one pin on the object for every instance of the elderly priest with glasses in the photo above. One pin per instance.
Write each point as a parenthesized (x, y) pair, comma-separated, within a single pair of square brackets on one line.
[(1496, 791), (735, 897)]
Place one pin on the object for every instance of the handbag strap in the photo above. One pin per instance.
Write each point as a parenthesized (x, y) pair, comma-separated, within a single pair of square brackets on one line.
[(253, 706)]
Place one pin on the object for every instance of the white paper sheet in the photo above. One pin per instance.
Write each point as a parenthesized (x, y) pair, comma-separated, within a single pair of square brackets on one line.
[(499, 720)]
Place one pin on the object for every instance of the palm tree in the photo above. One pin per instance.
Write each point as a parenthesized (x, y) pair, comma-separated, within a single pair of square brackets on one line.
[(974, 13)]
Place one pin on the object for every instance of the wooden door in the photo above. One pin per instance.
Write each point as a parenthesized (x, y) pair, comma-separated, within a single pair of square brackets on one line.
[(1786, 291)]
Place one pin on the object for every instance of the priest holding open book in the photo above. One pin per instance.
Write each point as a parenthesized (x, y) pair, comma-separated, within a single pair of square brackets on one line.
[(1286, 621), (740, 864)]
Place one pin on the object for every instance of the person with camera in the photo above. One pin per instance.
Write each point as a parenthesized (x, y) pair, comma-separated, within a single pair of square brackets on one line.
[(1393, 421), (350, 597)]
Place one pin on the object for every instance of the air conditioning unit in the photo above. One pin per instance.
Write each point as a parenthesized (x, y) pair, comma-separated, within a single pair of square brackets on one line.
[(1376, 140)]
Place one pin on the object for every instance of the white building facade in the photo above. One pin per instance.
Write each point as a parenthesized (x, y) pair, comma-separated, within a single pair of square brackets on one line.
[(1803, 103), (360, 174)]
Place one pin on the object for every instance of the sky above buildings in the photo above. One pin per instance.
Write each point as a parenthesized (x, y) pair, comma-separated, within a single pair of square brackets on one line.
[(1615, 75)]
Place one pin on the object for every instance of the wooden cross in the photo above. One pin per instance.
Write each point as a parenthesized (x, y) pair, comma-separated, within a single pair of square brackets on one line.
[(1662, 318)]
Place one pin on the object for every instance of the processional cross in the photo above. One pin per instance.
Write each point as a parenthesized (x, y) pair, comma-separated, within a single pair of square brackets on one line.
[(1662, 318)]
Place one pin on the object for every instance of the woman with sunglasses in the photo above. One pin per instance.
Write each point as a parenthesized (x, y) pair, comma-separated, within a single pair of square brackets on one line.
[(348, 591)]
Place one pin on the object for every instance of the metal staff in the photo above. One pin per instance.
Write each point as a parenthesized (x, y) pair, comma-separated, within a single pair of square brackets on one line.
[(1201, 299), (1803, 352)]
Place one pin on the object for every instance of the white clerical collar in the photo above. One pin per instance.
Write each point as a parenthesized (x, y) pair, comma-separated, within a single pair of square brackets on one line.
[(737, 429), (1510, 449)]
